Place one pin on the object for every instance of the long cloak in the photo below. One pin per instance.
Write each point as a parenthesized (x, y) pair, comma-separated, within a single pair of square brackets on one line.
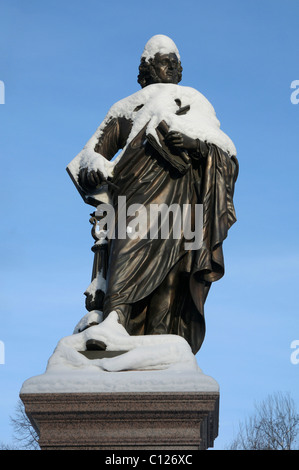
[(137, 267), (147, 173)]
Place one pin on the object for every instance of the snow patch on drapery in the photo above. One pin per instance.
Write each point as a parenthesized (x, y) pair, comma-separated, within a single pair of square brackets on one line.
[(159, 104), (98, 283)]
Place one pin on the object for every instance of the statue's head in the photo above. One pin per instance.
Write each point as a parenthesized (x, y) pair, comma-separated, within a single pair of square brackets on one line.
[(160, 62)]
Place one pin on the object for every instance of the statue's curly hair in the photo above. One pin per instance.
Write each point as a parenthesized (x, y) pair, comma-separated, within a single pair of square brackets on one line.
[(147, 74)]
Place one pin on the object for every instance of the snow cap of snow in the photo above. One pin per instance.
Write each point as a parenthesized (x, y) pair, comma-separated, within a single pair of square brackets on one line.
[(159, 43)]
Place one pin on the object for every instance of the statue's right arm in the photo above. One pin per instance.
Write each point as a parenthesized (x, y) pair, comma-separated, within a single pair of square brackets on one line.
[(112, 139)]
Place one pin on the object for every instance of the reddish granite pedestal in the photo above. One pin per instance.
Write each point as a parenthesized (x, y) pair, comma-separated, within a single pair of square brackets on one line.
[(124, 421)]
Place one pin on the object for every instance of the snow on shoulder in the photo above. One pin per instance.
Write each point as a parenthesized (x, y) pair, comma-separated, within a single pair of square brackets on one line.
[(155, 103), (150, 363)]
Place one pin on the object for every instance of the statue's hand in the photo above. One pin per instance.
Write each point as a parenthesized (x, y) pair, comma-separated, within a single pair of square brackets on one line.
[(178, 140), (90, 179)]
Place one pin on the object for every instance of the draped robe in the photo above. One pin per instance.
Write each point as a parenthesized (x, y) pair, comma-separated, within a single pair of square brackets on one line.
[(137, 267), (144, 272)]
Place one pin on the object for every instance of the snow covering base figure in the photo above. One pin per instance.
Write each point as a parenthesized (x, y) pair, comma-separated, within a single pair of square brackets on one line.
[(174, 155)]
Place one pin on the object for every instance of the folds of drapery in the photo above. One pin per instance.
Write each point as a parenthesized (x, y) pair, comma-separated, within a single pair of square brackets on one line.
[(138, 267)]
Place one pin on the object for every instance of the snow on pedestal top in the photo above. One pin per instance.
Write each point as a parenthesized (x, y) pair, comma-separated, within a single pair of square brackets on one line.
[(152, 363)]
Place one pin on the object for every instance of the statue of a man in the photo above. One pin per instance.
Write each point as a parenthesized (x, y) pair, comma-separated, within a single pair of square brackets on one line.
[(174, 154)]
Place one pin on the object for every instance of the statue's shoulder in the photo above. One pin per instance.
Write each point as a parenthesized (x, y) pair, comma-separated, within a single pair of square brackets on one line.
[(197, 98), (126, 106)]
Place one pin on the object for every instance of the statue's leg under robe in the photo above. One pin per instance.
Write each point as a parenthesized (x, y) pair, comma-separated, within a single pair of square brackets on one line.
[(153, 314), (161, 304)]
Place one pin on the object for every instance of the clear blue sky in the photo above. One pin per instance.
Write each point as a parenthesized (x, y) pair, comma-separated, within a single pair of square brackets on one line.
[(64, 63)]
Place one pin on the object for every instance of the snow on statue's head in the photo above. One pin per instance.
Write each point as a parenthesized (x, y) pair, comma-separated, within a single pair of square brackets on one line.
[(158, 45)]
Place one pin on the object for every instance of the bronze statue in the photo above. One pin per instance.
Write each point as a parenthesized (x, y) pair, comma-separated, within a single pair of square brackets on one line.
[(157, 285)]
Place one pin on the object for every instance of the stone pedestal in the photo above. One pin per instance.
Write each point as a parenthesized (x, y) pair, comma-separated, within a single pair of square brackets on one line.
[(152, 396), (124, 421)]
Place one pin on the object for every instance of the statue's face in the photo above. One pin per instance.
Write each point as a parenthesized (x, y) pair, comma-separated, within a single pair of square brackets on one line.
[(166, 68)]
